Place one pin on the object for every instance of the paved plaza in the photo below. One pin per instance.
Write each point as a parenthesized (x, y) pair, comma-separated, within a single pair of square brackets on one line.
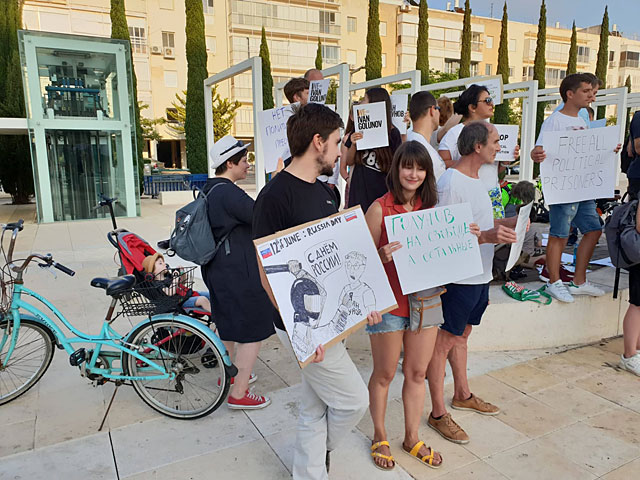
[(567, 413)]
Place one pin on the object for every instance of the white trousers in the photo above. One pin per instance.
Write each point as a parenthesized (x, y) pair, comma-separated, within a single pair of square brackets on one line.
[(333, 400)]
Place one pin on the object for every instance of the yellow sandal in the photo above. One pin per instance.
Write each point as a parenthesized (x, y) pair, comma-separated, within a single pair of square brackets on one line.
[(427, 459), (388, 458)]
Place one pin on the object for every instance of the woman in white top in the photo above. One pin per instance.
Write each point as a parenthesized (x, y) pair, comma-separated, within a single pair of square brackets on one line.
[(474, 104)]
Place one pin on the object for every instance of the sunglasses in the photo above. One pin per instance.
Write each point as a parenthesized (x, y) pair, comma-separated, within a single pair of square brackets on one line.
[(487, 100), (436, 107)]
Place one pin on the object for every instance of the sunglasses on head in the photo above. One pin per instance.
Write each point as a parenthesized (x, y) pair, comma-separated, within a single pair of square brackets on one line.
[(237, 144)]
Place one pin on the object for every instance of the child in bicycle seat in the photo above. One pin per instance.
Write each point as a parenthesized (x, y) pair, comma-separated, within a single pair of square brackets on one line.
[(156, 265)]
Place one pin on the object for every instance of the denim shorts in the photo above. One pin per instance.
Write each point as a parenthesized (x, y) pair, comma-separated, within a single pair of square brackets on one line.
[(389, 323), (582, 214), (191, 301)]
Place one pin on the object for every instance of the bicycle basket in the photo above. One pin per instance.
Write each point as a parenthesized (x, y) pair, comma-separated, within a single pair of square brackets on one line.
[(164, 293), (6, 289)]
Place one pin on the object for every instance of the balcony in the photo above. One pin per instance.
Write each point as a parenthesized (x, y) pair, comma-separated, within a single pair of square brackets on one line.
[(629, 63), (241, 19)]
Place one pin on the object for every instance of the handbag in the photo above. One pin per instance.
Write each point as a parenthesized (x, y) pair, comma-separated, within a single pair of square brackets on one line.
[(420, 302)]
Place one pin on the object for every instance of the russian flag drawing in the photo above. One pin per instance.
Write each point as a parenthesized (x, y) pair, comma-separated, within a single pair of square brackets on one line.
[(266, 253), (350, 216)]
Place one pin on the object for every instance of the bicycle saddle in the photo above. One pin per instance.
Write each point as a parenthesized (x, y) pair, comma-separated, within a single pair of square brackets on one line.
[(114, 286)]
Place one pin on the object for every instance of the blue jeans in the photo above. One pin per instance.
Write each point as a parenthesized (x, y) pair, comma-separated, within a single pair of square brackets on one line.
[(389, 323), (582, 214)]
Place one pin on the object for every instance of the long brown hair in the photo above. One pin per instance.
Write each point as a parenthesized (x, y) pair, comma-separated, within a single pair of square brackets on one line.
[(412, 153), (384, 155)]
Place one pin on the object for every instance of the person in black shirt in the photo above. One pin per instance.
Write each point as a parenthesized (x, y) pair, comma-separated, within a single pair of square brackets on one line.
[(334, 397)]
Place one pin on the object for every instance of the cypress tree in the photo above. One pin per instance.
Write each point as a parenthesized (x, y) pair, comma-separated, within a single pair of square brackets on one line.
[(195, 130), (572, 65), (267, 79), (539, 63), (465, 52), (627, 84), (319, 56), (422, 58), (373, 58), (16, 174), (120, 30), (603, 57), (503, 111)]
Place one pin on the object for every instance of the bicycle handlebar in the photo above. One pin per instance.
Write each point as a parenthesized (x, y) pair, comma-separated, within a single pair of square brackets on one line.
[(63, 269)]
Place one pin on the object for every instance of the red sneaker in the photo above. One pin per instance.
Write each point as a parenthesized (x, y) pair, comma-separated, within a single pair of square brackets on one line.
[(250, 401), (565, 275)]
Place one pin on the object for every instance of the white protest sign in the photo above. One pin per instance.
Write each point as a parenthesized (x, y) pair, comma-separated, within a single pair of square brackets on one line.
[(580, 164), (494, 85), (326, 276), (399, 103), (521, 230), (508, 141), (371, 120), (318, 91), (437, 246), (273, 131)]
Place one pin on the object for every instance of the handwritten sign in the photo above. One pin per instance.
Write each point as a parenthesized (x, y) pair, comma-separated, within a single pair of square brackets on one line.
[(399, 103), (437, 246), (318, 91), (371, 120), (508, 141), (580, 164), (326, 277), (273, 131), (521, 231), (494, 85)]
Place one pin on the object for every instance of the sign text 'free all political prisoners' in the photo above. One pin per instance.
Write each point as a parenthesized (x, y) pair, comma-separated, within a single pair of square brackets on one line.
[(437, 246), (580, 164), (273, 131), (371, 120), (318, 91), (326, 276), (399, 103), (508, 141)]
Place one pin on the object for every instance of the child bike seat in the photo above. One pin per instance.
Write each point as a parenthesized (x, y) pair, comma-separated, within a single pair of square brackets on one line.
[(114, 286)]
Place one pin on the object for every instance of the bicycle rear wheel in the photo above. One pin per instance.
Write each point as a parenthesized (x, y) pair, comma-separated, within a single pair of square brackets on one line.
[(201, 381), (30, 358)]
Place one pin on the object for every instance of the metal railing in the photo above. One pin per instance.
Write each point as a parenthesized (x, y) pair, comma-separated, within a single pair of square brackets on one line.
[(154, 184)]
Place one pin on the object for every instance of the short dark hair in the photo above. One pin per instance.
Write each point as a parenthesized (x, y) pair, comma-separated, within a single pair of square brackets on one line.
[(572, 83), (308, 121), (469, 97), (420, 104), (235, 159), (472, 134), (294, 87), (595, 81), (407, 155)]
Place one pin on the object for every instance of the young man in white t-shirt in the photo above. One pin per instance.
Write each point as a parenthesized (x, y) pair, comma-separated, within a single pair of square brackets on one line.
[(425, 118), (576, 91), (464, 302)]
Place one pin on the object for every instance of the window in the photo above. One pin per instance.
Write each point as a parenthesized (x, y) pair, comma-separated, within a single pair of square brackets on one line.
[(168, 40), (487, 69), (352, 24), (384, 60), (612, 56), (207, 7), (451, 66), (383, 29), (331, 54), (512, 44), (171, 78), (211, 44), (511, 72), (474, 69), (488, 41), (170, 113), (351, 58), (327, 21), (629, 59), (138, 39)]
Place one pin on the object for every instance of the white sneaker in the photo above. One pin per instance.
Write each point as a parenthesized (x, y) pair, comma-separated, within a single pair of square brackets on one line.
[(559, 291), (586, 288), (631, 364)]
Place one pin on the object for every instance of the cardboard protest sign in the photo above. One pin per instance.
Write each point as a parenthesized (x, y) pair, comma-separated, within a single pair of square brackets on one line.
[(371, 120), (399, 103), (273, 131), (437, 246), (318, 91), (521, 230), (326, 277), (580, 164), (494, 85), (508, 141)]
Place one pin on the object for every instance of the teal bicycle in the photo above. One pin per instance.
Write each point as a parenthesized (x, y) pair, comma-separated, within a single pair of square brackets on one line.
[(177, 365)]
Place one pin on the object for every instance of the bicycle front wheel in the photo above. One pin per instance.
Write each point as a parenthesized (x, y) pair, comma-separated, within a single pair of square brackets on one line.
[(30, 358), (200, 382)]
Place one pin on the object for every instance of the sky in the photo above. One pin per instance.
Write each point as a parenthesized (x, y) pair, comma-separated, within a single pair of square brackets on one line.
[(624, 13)]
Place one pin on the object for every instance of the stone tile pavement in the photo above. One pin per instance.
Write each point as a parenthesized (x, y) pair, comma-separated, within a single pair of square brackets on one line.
[(566, 413)]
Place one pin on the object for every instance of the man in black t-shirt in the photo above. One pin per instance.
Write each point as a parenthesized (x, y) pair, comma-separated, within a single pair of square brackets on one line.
[(334, 397)]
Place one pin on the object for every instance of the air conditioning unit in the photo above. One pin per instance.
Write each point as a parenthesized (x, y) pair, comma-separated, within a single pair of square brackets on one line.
[(156, 50), (405, 8), (168, 52)]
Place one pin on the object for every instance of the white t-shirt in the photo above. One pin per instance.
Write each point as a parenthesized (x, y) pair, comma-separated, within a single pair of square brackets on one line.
[(438, 164), (558, 121), (455, 187), (488, 173), (434, 138)]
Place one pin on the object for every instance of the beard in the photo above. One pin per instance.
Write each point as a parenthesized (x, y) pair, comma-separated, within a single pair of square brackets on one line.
[(323, 167)]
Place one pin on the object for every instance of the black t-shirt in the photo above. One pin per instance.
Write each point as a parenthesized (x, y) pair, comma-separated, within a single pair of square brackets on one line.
[(288, 201), (634, 132)]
